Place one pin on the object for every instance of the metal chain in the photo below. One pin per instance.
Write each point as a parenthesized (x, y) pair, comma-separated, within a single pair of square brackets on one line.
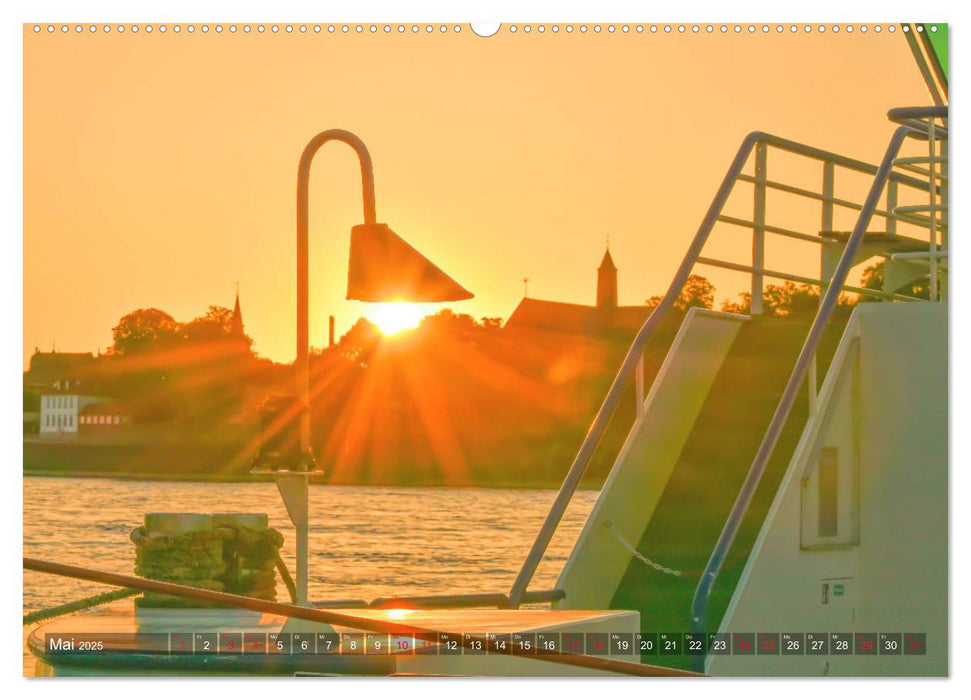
[(653, 564)]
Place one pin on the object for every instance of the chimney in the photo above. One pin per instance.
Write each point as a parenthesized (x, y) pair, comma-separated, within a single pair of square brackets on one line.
[(331, 335)]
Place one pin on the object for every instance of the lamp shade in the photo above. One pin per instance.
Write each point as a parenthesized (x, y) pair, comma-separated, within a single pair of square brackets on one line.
[(383, 267)]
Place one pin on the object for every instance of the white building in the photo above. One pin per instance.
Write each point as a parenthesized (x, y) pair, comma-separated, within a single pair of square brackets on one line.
[(59, 412)]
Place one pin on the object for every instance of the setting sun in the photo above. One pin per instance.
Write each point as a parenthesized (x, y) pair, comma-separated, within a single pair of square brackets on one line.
[(394, 317)]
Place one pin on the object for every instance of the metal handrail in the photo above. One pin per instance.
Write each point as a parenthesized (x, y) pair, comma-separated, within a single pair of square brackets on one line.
[(465, 600), (898, 114), (631, 361), (806, 355)]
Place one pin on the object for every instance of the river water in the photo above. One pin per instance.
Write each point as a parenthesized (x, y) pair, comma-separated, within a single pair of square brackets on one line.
[(365, 542)]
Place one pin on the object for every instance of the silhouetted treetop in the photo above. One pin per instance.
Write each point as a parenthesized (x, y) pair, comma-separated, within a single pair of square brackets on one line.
[(144, 330), (215, 326), (697, 291), (873, 277)]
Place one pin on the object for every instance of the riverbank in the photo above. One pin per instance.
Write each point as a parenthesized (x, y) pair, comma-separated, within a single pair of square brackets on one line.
[(586, 484), (230, 462)]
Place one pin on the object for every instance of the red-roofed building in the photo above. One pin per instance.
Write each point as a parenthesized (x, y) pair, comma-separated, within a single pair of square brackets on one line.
[(605, 318)]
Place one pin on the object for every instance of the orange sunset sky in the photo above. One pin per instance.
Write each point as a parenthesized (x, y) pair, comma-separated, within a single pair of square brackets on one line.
[(160, 169)]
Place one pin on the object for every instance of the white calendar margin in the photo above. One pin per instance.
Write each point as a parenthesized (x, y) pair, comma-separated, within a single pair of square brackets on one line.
[(826, 11)]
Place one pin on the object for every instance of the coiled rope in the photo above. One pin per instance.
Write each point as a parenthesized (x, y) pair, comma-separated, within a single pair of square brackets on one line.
[(78, 605)]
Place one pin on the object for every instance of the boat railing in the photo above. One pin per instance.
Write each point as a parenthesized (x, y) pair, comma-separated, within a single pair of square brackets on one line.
[(806, 357), (932, 214), (759, 145)]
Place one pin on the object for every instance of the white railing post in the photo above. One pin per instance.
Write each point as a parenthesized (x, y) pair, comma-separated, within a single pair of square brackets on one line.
[(758, 228), (825, 224), (891, 205), (639, 387)]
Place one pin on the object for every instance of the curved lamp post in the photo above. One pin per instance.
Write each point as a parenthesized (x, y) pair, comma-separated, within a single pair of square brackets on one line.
[(382, 267)]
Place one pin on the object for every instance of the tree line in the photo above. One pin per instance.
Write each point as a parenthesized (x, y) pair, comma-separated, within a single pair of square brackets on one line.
[(789, 299), (150, 330)]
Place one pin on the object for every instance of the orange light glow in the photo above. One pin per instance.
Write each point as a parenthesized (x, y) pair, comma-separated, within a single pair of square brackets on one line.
[(395, 317)]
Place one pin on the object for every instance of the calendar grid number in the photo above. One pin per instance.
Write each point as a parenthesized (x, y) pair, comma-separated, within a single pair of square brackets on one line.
[(817, 644), (524, 644), (230, 643), (352, 643), (622, 644), (720, 644), (694, 644), (891, 644), (792, 644), (915, 644), (327, 643), (205, 643), (548, 643), (450, 644), (646, 643), (841, 643), (743, 643)]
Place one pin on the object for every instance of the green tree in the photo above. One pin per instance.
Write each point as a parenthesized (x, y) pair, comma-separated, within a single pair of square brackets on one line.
[(873, 275), (144, 330), (216, 323), (788, 300), (215, 326), (697, 291), (447, 321), (742, 306), (360, 341)]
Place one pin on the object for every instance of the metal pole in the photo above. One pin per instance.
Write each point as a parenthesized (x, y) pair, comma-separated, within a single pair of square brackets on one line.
[(758, 230), (299, 487)]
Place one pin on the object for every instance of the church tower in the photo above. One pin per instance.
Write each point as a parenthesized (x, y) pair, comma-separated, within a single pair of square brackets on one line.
[(236, 329), (607, 283)]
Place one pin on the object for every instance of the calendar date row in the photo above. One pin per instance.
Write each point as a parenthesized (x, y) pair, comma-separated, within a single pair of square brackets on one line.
[(512, 644)]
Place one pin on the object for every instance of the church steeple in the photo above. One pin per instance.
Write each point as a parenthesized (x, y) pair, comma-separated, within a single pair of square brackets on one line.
[(236, 329), (607, 282)]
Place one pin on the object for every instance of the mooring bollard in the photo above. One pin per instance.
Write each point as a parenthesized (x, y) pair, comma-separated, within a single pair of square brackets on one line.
[(226, 552)]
